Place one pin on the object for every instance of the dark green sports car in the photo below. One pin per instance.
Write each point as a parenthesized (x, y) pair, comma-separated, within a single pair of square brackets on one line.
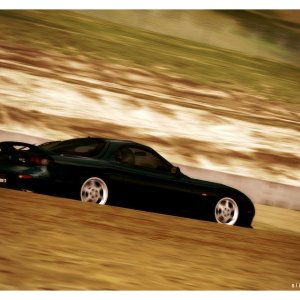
[(121, 173)]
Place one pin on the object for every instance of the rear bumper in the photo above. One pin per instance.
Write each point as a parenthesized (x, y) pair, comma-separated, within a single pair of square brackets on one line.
[(24, 180), (17, 181)]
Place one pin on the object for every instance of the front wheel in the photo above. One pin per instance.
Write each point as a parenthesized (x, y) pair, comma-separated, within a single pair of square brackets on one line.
[(94, 190), (226, 211)]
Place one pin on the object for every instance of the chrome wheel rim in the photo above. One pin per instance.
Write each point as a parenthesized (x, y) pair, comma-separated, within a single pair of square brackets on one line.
[(94, 190), (226, 211)]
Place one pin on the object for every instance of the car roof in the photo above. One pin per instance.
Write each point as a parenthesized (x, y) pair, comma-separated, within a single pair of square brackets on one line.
[(109, 140)]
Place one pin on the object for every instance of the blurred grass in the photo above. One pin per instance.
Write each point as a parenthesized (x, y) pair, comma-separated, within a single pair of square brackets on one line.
[(75, 34), (263, 33)]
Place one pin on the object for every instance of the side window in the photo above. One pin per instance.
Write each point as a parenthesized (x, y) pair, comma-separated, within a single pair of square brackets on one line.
[(82, 148), (141, 158), (125, 155)]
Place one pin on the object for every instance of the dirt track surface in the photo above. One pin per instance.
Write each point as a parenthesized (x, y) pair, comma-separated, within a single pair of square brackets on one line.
[(57, 244)]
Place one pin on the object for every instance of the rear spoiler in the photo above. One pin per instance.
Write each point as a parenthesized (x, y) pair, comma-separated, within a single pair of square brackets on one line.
[(23, 153), (10, 147)]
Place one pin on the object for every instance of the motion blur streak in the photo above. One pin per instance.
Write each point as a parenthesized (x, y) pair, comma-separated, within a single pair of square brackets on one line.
[(217, 90), (50, 243), (72, 73)]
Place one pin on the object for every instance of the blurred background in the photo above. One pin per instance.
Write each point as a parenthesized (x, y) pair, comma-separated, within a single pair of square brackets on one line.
[(217, 90), (210, 89)]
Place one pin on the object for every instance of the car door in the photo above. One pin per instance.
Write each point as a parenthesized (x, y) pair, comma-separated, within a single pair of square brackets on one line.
[(74, 162), (149, 182)]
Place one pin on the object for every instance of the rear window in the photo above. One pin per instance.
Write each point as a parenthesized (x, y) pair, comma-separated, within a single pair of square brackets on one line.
[(86, 148)]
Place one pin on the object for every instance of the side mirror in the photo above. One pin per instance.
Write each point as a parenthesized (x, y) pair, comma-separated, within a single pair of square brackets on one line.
[(176, 171)]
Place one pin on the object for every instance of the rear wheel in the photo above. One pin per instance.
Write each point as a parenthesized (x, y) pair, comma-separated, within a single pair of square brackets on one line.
[(226, 211), (94, 190)]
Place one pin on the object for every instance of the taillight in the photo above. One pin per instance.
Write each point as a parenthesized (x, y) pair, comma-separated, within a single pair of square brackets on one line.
[(38, 160), (24, 176)]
